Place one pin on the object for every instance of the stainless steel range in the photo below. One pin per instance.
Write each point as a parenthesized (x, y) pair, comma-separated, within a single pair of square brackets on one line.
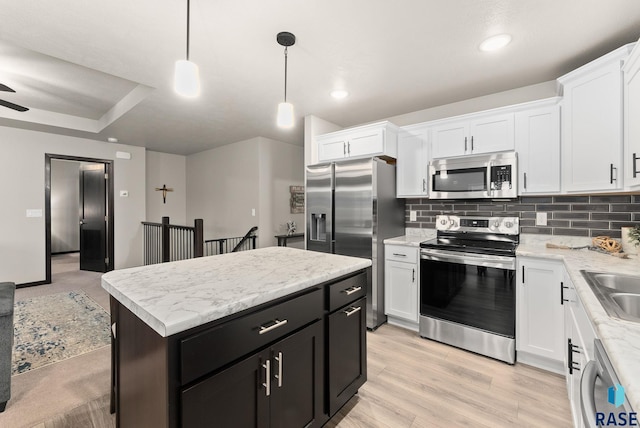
[(467, 284)]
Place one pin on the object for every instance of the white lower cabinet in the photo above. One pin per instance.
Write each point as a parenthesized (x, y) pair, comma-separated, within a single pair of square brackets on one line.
[(401, 285), (579, 336), (540, 315)]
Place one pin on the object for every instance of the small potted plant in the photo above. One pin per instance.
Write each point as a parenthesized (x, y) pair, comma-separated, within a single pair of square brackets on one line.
[(630, 239)]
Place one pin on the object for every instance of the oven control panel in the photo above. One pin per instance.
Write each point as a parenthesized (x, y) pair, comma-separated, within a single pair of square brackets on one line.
[(500, 225)]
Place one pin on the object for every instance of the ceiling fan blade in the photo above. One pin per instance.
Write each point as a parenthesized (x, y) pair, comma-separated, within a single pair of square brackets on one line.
[(12, 106), (5, 88)]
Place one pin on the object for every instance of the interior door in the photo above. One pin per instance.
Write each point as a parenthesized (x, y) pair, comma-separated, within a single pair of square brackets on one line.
[(93, 218)]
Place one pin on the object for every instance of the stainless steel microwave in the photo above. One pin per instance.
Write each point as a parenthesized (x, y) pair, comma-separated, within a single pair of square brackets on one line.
[(486, 176)]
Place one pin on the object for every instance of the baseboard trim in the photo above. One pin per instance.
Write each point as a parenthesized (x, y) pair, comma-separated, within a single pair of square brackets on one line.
[(544, 363)]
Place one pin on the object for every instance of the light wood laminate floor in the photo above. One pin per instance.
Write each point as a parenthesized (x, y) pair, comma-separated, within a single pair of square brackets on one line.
[(418, 383)]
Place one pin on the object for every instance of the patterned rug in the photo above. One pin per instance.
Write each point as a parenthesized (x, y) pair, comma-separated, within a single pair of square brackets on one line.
[(48, 329)]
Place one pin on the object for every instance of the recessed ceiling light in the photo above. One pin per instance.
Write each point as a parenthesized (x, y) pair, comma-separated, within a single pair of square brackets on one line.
[(112, 139), (495, 42), (339, 94)]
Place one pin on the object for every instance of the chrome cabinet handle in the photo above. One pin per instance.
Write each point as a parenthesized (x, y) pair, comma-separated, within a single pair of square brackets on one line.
[(344, 148), (472, 144), (424, 185), (635, 168), (349, 147), (465, 144), (349, 291), (277, 324), (413, 275), (267, 377), (525, 180), (399, 254), (352, 310), (279, 375)]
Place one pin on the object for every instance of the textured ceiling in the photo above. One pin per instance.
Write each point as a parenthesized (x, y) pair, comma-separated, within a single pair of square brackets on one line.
[(105, 69)]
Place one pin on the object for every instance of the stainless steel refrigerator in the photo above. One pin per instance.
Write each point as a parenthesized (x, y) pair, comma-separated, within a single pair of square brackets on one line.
[(351, 209)]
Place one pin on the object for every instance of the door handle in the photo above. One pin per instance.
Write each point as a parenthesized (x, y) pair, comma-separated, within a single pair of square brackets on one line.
[(562, 299), (344, 149), (611, 174), (525, 180), (635, 168), (465, 144), (267, 377), (81, 222), (279, 374), (472, 144), (413, 275), (424, 185)]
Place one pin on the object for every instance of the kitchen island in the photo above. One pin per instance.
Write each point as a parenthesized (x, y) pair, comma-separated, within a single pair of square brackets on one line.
[(268, 337)]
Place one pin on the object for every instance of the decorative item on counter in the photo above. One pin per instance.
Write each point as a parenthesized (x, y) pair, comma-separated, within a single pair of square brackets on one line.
[(291, 227), (607, 243), (590, 247), (630, 239)]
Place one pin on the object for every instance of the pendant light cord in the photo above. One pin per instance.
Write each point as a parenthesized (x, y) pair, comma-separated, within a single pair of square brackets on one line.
[(285, 74), (188, 13)]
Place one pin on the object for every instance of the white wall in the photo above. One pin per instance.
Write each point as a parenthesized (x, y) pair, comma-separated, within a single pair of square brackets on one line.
[(22, 239), (223, 187), (163, 168), (65, 196), (226, 183), (281, 165)]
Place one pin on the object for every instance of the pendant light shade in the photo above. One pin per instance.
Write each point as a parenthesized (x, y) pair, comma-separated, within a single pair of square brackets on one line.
[(186, 81), (187, 78), (285, 115), (285, 109)]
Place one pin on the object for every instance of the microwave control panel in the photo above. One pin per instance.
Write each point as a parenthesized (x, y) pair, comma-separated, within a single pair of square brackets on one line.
[(501, 177)]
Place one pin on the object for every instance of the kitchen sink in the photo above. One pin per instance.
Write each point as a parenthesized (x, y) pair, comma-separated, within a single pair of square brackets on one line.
[(619, 295)]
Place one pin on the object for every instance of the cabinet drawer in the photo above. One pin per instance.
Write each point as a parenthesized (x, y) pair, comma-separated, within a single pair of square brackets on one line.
[(209, 350), (400, 253), (347, 291)]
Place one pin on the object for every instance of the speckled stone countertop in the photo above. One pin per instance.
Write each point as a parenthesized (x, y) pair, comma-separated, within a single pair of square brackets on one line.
[(413, 237), (621, 339), (173, 297)]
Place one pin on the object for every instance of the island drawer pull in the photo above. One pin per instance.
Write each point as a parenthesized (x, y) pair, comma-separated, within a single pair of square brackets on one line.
[(277, 324), (352, 310), (399, 255), (349, 291)]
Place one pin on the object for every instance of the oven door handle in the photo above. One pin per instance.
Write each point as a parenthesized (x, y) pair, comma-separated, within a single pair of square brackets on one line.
[(500, 262)]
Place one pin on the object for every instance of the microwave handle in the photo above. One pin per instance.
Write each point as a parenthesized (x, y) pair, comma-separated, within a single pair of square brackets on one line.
[(489, 189)]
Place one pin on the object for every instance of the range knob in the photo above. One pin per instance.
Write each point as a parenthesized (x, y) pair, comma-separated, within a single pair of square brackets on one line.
[(509, 224), (496, 224), (443, 221)]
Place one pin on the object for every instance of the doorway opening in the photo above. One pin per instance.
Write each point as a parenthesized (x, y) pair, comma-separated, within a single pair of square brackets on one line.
[(78, 213)]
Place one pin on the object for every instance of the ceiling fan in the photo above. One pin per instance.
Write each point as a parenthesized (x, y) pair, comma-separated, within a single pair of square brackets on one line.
[(7, 104)]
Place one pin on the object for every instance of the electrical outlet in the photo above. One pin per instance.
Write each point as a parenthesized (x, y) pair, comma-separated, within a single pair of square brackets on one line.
[(253, 212), (413, 216), (541, 219)]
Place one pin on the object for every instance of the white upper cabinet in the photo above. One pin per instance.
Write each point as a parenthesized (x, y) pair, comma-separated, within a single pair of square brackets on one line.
[(377, 139), (412, 163), (473, 134), (538, 146), (591, 121), (632, 119)]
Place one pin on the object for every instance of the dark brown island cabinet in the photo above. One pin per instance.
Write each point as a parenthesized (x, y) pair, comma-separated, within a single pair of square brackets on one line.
[(292, 362)]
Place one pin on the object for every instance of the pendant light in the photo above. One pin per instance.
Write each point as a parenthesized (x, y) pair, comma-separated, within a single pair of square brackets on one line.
[(285, 109), (187, 76)]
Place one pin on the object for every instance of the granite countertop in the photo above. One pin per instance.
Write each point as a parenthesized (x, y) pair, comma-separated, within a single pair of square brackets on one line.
[(173, 297), (413, 238), (621, 339)]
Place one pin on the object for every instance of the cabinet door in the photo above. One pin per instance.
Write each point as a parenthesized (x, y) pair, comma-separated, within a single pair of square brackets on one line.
[(592, 131), (538, 146), (492, 134), (236, 396), (366, 143), (540, 319), (401, 290), (412, 165), (450, 139), (631, 122), (347, 353), (297, 383), (332, 148)]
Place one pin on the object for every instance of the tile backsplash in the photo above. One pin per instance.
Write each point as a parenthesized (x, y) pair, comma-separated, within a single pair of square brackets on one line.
[(566, 215)]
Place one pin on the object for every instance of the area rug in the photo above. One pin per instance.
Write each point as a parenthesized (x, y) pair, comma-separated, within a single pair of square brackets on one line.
[(48, 329)]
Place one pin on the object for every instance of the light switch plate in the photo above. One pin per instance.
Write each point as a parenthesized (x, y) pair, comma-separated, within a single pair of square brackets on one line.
[(124, 193), (541, 219), (34, 213), (413, 215)]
